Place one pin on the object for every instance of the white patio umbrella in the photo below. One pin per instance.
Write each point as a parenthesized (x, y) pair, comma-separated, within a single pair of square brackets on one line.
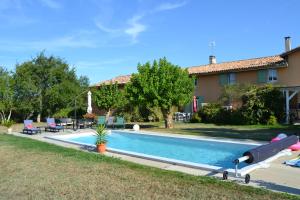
[(89, 108)]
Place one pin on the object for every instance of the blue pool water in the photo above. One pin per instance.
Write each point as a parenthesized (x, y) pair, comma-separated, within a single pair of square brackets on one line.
[(220, 154)]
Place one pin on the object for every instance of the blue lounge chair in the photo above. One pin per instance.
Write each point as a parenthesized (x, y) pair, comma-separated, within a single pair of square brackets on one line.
[(29, 128), (52, 127), (294, 162), (120, 122), (110, 122), (101, 121)]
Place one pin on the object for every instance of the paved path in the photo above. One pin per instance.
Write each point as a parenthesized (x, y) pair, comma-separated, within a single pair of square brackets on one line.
[(277, 177)]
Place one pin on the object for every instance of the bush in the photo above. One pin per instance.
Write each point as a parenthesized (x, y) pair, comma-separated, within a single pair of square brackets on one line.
[(210, 112), (155, 114), (63, 113), (7, 123), (195, 118), (259, 103), (215, 113), (133, 113), (272, 120)]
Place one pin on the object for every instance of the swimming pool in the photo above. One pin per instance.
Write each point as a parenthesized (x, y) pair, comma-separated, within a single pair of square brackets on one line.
[(206, 153)]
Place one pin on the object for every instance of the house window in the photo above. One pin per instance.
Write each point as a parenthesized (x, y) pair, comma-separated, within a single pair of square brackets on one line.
[(225, 79), (231, 78), (272, 75)]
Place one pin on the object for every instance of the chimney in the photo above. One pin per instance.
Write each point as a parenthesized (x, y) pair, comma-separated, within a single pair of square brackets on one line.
[(212, 59), (288, 45)]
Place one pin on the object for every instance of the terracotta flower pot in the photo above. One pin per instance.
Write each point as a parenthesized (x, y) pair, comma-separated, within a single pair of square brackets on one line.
[(101, 148), (9, 130)]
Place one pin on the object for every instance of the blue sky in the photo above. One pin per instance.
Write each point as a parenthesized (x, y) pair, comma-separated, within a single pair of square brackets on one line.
[(106, 38)]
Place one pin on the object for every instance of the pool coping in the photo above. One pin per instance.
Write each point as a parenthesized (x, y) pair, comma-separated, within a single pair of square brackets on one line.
[(240, 172)]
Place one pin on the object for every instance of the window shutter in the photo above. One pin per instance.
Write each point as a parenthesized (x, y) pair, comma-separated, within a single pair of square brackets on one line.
[(262, 76), (223, 79), (200, 100)]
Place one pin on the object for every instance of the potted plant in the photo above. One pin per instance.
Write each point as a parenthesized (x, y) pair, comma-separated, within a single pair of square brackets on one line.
[(101, 139), (8, 124), (89, 119), (91, 116)]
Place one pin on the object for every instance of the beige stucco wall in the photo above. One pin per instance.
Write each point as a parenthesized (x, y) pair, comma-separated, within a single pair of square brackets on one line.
[(290, 76), (208, 87), (249, 77)]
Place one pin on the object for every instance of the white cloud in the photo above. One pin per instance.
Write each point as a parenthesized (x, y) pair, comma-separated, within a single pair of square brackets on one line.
[(81, 39), (104, 28), (51, 4), (170, 6), (135, 27)]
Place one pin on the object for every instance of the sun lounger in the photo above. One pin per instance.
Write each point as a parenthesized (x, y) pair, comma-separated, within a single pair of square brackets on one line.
[(110, 122), (52, 127), (120, 122), (65, 122), (294, 162), (89, 123), (29, 128)]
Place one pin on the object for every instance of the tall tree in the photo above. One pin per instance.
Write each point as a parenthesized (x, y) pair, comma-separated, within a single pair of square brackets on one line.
[(161, 84), (6, 94), (45, 85), (108, 97)]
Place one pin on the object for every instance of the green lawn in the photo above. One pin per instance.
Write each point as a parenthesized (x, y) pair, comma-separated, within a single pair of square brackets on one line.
[(31, 169), (254, 132)]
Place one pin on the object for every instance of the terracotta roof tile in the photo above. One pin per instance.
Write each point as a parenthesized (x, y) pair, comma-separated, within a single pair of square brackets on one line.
[(240, 65), (119, 79)]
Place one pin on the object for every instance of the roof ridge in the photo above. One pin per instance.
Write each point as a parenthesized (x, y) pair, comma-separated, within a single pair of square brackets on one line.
[(236, 61)]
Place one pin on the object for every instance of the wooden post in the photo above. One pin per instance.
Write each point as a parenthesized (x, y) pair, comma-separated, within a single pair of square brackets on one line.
[(287, 107)]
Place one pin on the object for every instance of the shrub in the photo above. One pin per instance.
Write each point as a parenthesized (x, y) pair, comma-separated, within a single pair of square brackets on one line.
[(195, 118), (155, 114), (215, 113), (259, 103), (133, 113), (7, 123), (272, 120), (63, 113), (210, 112)]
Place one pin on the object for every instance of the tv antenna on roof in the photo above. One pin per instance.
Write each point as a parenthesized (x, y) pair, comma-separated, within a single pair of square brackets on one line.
[(212, 46)]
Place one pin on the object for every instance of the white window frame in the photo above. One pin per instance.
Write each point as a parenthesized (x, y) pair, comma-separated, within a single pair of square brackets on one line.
[(272, 75), (231, 78)]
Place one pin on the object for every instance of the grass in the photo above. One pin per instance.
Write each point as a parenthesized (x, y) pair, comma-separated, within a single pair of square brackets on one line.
[(32, 169), (19, 127), (253, 132)]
